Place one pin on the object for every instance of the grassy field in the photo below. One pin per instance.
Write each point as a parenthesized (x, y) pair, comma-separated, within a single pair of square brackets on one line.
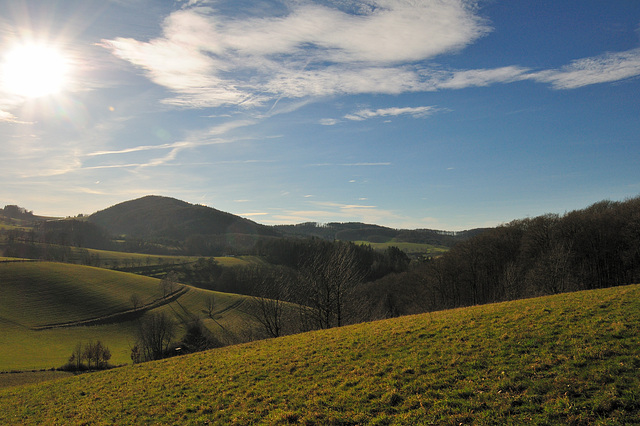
[(110, 258), (96, 302), (35, 294), (11, 224), (409, 248), (565, 359), (8, 380)]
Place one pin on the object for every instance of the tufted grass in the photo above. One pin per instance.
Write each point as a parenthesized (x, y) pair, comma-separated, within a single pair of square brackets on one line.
[(564, 359)]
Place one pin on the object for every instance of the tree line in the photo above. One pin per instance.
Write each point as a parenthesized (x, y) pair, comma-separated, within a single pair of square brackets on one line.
[(89, 356), (584, 249), (335, 283)]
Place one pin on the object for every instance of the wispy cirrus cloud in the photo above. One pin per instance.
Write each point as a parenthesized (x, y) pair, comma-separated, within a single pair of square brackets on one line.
[(212, 136), (352, 164), (416, 112), (253, 214), (605, 68), (334, 211), (329, 121), (478, 78)]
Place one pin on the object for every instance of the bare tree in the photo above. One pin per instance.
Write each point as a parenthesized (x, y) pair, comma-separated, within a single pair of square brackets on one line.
[(268, 308), (136, 301), (330, 278), (154, 335), (96, 354), (169, 284), (77, 356), (209, 305)]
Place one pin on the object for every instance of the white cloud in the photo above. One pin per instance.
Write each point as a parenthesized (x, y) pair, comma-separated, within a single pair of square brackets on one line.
[(599, 69), (193, 77), (394, 31), (605, 68), (331, 211), (345, 80), (314, 50), (416, 112), (365, 164), (329, 121), (333, 48), (6, 116), (478, 78), (352, 164)]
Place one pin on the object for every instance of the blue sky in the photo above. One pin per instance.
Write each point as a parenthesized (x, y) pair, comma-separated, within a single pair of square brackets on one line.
[(441, 114)]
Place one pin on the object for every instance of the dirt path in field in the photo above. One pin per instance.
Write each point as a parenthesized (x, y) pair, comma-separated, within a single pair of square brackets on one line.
[(232, 306), (118, 316)]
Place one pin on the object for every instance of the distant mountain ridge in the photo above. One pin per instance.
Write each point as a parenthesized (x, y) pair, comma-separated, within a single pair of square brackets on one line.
[(356, 231), (162, 219), (153, 217)]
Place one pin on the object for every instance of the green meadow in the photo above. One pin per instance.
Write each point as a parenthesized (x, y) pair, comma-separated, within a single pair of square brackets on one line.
[(409, 248), (47, 308), (565, 359), (108, 258), (11, 379)]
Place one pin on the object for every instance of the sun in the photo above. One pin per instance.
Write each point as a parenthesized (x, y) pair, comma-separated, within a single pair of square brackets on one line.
[(34, 70)]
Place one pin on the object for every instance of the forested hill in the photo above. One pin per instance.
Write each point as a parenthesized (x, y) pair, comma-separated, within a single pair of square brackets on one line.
[(356, 231), (154, 217)]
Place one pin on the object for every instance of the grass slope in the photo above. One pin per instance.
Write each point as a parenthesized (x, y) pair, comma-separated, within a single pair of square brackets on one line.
[(109, 258), (35, 294), (28, 377), (565, 359), (38, 294)]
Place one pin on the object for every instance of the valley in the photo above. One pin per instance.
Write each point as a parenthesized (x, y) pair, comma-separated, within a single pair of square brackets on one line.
[(533, 321)]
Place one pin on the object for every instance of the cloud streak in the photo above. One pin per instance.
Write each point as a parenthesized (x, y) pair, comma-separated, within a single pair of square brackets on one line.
[(606, 68), (478, 78), (334, 211), (210, 136), (416, 112), (352, 164)]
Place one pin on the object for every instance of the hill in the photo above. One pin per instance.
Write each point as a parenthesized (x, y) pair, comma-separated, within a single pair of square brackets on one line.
[(46, 308), (356, 231), (155, 217), (564, 359), (163, 225)]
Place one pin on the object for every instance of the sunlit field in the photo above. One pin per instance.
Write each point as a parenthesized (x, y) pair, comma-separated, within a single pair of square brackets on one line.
[(47, 308), (566, 359)]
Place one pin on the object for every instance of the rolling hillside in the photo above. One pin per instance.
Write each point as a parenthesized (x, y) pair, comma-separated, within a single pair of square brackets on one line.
[(38, 294), (46, 308), (566, 359), (154, 217)]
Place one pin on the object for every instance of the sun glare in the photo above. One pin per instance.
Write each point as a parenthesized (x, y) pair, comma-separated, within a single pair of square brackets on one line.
[(33, 71)]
